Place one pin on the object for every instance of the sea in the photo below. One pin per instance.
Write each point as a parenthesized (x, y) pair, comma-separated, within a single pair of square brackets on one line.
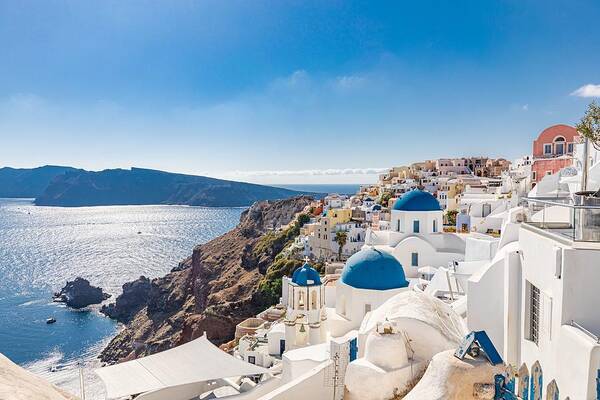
[(43, 247)]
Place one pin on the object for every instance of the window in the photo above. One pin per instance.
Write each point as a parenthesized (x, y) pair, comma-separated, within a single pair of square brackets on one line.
[(398, 230), (570, 147), (416, 226), (367, 308), (486, 210), (415, 259), (548, 149), (434, 225), (252, 359), (548, 172), (559, 148), (313, 300), (533, 331)]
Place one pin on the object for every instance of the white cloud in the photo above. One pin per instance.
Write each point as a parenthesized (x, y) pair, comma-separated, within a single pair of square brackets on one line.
[(25, 101), (310, 172), (298, 78), (349, 81), (589, 90)]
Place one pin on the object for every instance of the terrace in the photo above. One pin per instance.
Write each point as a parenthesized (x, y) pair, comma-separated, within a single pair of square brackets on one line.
[(575, 222)]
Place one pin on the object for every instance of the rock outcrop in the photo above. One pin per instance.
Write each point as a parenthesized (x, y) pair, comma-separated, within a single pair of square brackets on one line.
[(133, 299), (79, 293), (224, 282)]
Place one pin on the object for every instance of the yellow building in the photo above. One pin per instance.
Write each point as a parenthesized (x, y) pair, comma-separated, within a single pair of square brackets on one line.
[(338, 216)]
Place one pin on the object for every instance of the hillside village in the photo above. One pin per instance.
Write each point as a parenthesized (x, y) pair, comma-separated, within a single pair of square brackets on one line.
[(395, 277)]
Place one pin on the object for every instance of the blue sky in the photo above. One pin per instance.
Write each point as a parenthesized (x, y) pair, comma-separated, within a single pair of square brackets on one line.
[(288, 91)]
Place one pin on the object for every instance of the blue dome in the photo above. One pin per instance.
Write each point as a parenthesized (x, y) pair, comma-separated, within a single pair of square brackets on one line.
[(373, 269), (306, 276), (417, 200)]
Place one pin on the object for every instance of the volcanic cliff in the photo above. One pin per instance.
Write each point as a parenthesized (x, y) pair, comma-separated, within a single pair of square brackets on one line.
[(225, 281)]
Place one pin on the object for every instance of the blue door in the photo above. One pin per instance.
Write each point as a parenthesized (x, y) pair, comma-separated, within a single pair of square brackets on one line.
[(416, 226), (353, 349)]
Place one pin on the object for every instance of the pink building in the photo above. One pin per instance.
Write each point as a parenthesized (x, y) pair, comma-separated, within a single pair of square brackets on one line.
[(553, 150)]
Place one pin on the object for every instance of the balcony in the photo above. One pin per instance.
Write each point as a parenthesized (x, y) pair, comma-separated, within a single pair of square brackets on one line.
[(577, 221)]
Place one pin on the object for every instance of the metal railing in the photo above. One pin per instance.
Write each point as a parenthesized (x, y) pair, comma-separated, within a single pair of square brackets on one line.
[(581, 328), (582, 224)]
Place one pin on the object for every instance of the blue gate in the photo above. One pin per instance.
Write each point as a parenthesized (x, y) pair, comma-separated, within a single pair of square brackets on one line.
[(529, 386)]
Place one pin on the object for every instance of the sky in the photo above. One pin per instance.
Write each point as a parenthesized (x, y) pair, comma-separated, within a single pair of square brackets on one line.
[(288, 91)]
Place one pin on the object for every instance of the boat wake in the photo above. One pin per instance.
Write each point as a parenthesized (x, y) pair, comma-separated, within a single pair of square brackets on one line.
[(65, 373)]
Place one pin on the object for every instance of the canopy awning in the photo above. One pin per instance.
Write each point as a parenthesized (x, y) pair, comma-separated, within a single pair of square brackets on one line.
[(195, 361)]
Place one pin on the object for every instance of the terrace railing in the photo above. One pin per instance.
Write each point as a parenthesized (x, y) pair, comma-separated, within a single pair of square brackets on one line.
[(579, 220)]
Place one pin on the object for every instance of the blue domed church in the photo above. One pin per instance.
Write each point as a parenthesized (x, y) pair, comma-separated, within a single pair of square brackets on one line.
[(416, 237), (369, 278)]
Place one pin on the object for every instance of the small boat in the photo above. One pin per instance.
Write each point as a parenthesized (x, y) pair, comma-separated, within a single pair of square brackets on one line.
[(57, 367), (139, 232), (51, 320)]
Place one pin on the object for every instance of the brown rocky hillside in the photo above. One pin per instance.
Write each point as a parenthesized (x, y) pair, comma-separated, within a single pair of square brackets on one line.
[(225, 281)]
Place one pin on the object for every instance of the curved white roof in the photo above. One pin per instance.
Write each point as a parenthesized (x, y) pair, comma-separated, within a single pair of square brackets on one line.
[(195, 361), (418, 306)]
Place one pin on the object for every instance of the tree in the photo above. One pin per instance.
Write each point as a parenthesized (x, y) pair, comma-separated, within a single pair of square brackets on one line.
[(451, 216), (341, 238), (303, 219), (385, 198), (589, 126)]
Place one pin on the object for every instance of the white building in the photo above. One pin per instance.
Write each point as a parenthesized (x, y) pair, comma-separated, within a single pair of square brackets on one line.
[(537, 299), (355, 237), (334, 200), (416, 236), (485, 207), (519, 177)]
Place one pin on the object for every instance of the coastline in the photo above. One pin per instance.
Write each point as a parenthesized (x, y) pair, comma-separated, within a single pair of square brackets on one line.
[(200, 297), (46, 246)]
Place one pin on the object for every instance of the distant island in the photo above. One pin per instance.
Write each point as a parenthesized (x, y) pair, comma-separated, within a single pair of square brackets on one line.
[(28, 182), (71, 187)]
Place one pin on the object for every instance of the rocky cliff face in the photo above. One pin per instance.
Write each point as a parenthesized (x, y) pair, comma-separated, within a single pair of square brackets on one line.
[(212, 291), (130, 302)]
